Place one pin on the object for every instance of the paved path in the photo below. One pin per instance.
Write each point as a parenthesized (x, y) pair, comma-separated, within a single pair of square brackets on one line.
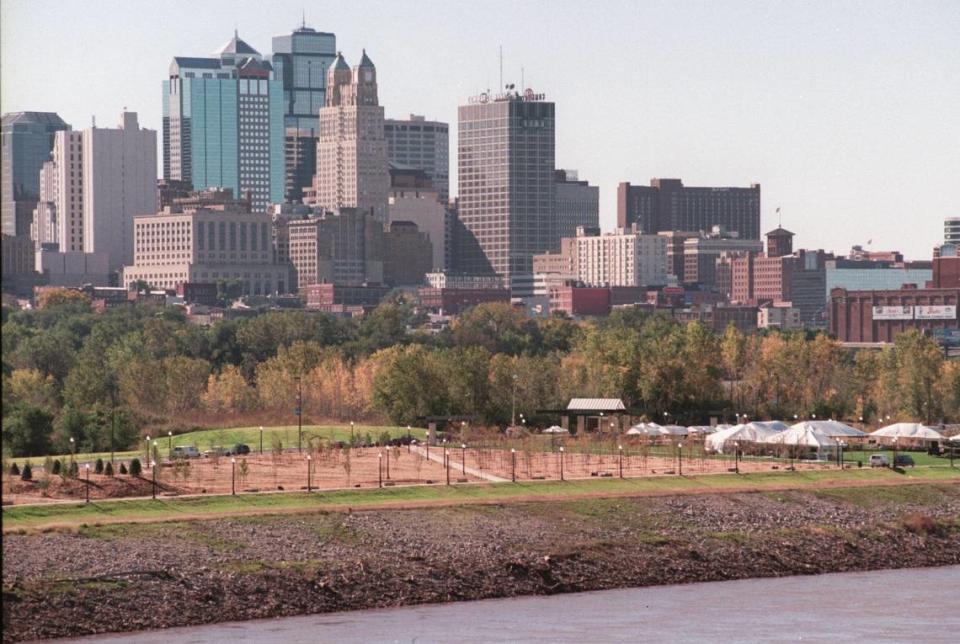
[(437, 456)]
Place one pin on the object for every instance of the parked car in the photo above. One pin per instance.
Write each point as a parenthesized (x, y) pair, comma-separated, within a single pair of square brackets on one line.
[(903, 460), (879, 460), (237, 450), (185, 451), (215, 451)]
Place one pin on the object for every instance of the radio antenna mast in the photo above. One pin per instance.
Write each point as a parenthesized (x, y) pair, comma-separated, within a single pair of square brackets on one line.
[(501, 68)]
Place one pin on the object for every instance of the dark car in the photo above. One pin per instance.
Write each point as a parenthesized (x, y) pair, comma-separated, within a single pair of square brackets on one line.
[(237, 450), (903, 460)]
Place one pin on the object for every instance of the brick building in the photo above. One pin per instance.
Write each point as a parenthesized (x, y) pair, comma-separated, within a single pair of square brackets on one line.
[(879, 316)]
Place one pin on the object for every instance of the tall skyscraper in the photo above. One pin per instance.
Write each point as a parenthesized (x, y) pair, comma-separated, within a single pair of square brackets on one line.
[(27, 142), (421, 144), (223, 124), (119, 183), (578, 203), (352, 170), (300, 61), (666, 204), (505, 161), (67, 190)]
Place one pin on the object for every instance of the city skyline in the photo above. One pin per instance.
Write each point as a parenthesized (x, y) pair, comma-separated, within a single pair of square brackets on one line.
[(844, 117)]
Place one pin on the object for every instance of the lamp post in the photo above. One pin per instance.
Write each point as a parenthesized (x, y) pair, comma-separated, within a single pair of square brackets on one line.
[(463, 457), (561, 462), (446, 460), (600, 424), (170, 443), (388, 462), (680, 459), (736, 457), (351, 433), (513, 403), (113, 423), (261, 440), (620, 448), (88, 481), (153, 466), (73, 449), (233, 476), (299, 414), (309, 481), (513, 464), (380, 468), (894, 464)]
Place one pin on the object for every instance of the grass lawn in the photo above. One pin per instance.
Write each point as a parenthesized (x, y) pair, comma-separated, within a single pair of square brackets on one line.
[(206, 438), (73, 515)]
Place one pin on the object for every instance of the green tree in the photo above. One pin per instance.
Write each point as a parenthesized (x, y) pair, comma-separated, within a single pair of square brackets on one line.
[(27, 431)]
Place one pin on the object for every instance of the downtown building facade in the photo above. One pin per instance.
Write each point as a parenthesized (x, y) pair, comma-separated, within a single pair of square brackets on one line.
[(27, 142), (352, 169), (666, 204), (414, 198), (620, 258), (507, 192), (577, 203), (421, 144), (207, 241), (301, 60), (223, 124)]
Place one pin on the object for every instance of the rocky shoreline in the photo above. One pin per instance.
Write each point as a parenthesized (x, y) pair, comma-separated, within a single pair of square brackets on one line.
[(149, 576)]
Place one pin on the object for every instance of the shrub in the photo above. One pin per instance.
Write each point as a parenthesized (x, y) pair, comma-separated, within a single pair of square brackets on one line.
[(135, 468), (57, 467), (48, 465), (14, 470), (74, 469), (27, 474), (98, 468), (123, 468), (384, 438), (108, 469)]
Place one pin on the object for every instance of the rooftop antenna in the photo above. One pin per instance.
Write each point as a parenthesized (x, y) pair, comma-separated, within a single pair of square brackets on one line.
[(501, 66), (779, 218), (522, 82), (303, 23)]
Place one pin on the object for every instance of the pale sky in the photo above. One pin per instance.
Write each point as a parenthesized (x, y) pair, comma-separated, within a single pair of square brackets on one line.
[(847, 113)]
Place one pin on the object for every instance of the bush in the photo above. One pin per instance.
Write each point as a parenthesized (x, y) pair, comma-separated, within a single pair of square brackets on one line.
[(57, 467), (14, 470), (123, 468), (98, 468), (135, 468), (74, 469), (384, 438), (27, 474), (108, 469)]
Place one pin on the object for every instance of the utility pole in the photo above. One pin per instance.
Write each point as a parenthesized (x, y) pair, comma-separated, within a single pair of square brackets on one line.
[(299, 414)]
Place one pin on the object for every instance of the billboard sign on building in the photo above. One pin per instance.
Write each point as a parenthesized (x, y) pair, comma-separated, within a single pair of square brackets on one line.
[(936, 312), (893, 313)]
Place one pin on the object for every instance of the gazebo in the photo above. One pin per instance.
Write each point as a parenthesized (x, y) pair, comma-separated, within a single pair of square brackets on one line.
[(604, 414)]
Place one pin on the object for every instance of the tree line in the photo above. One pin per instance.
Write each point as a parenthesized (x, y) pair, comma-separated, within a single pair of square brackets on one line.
[(104, 379)]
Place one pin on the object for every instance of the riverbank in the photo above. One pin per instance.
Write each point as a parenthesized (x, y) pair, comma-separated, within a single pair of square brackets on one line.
[(145, 576)]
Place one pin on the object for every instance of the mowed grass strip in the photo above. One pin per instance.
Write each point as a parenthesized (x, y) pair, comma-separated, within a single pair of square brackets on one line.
[(72, 515), (205, 439)]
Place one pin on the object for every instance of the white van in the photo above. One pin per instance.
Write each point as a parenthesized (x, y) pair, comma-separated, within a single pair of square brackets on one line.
[(188, 451), (879, 460)]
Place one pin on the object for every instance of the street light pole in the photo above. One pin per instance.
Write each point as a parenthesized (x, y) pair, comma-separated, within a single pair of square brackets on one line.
[(680, 458), (388, 462), (351, 433), (620, 448), (380, 468), (299, 414), (463, 457), (513, 464), (309, 482), (561, 462), (233, 476), (736, 457), (113, 424), (88, 482), (261, 440), (170, 443), (446, 460), (153, 466), (513, 403)]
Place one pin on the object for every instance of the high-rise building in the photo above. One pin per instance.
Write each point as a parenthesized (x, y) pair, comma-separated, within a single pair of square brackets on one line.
[(223, 124), (68, 190), (352, 170), (666, 204), (422, 144), (119, 183), (300, 62), (206, 241), (43, 227), (27, 141), (507, 201), (621, 258), (414, 198), (951, 230), (578, 203), (700, 254)]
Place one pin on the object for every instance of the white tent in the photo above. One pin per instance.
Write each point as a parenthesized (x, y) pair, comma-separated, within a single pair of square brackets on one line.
[(954, 439), (749, 433), (833, 428), (701, 429), (556, 429), (674, 430), (909, 430), (645, 429), (802, 434), (775, 425)]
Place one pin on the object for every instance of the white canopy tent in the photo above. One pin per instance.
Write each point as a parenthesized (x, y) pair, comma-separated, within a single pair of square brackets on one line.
[(775, 425), (832, 428), (914, 431), (645, 429), (674, 430), (701, 429), (555, 429), (749, 433), (803, 435)]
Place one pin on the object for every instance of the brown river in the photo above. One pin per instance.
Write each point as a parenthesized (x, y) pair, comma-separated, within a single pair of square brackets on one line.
[(911, 605)]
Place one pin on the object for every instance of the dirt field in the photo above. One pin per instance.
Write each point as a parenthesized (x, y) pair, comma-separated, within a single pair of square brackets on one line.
[(363, 467)]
